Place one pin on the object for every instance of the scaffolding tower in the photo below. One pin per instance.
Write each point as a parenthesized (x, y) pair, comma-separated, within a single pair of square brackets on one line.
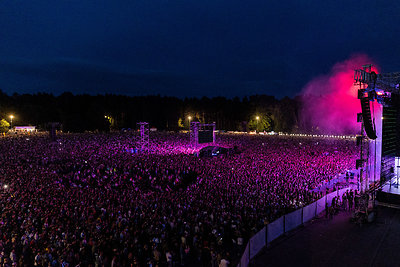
[(195, 128), (144, 136)]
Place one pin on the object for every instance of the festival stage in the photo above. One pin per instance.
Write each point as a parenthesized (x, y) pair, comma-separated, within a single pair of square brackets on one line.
[(390, 193)]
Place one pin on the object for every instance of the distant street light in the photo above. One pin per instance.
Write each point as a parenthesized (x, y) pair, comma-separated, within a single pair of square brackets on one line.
[(257, 118), (11, 117), (189, 119)]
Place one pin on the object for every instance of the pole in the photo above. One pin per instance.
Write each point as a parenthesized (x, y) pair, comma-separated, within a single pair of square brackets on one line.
[(257, 126), (375, 162), (368, 173), (214, 128), (257, 119), (189, 118), (361, 157)]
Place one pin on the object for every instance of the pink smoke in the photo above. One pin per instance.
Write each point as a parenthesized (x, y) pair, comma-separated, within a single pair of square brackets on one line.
[(329, 102)]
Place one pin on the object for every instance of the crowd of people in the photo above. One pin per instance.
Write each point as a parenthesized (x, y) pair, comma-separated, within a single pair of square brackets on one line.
[(349, 201), (87, 200)]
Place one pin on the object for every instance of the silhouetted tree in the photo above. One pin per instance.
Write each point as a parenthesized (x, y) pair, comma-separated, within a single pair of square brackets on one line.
[(4, 126), (78, 113)]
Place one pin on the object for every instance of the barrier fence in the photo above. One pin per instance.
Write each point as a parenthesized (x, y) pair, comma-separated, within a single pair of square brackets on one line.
[(285, 224)]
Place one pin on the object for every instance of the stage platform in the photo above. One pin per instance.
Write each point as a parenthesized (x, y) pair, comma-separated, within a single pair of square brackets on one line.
[(389, 194)]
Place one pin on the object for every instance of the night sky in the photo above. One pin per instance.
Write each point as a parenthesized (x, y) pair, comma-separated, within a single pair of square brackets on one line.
[(188, 48)]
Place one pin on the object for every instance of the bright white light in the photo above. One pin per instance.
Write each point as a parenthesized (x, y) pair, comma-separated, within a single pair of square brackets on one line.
[(5, 186)]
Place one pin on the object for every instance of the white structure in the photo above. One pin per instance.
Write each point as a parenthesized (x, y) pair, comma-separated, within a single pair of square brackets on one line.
[(25, 129), (375, 146)]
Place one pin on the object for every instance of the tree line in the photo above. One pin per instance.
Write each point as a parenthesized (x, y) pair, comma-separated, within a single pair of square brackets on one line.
[(79, 113)]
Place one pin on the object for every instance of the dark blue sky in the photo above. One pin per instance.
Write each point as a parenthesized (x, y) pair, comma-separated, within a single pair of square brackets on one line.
[(188, 48)]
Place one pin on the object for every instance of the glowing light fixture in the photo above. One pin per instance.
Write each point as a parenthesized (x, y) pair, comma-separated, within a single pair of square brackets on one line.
[(11, 117)]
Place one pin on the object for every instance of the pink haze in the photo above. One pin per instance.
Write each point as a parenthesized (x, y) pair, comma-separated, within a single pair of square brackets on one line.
[(330, 101)]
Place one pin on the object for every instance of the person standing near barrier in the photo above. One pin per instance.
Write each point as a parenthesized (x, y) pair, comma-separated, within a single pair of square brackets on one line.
[(331, 209), (350, 197), (356, 200), (326, 209)]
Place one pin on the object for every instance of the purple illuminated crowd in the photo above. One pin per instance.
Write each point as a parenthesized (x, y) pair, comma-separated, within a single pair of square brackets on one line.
[(87, 201)]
